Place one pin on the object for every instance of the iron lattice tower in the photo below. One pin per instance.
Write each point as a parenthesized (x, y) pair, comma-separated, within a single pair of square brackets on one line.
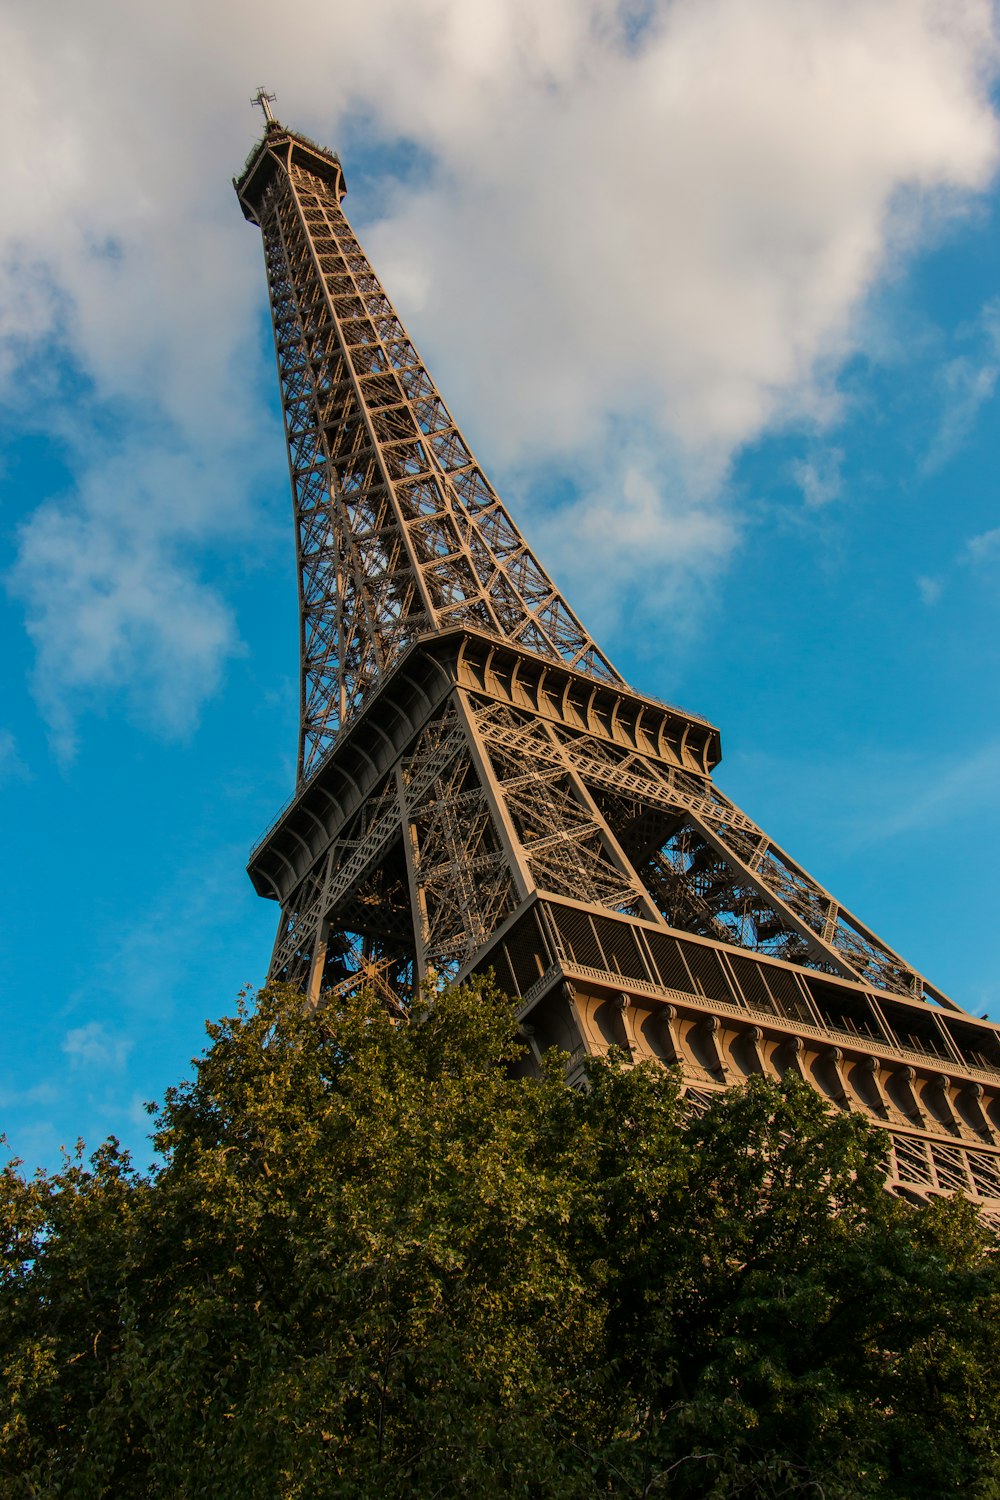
[(480, 790)]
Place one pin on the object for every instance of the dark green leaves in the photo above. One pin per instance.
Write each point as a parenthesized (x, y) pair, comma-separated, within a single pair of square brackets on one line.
[(375, 1262)]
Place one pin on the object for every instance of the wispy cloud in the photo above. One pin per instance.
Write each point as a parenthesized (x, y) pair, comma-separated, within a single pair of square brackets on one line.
[(92, 1046), (966, 384), (43, 1093), (922, 795), (930, 589), (818, 477), (853, 805), (12, 767), (977, 556), (984, 548), (633, 536)]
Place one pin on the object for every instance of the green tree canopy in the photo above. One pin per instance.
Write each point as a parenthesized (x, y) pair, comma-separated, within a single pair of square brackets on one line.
[(376, 1261)]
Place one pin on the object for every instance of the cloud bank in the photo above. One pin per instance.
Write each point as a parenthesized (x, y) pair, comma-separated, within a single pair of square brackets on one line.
[(646, 235)]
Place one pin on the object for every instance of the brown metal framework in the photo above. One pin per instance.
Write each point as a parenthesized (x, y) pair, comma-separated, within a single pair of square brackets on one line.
[(398, 530), (479, 789)]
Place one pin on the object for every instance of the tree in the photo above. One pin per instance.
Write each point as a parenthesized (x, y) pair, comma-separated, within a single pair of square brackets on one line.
[(376, 1261)]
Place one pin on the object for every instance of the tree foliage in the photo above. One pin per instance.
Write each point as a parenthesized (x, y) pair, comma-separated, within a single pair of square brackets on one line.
[(375, 1261)]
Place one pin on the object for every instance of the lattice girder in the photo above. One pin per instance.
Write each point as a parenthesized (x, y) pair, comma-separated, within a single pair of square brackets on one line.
[(827, 931), (479, 789), (414, 537)]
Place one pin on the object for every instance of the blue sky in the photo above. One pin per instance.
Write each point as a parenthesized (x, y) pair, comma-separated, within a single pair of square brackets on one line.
[(712, 289)]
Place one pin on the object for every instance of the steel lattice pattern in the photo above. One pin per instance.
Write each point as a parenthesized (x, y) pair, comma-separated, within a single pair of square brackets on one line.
[(398, 529), (508, 802), (705, 864)]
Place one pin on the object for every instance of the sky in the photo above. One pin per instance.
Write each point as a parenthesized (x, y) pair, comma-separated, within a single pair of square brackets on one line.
[(712, 287)]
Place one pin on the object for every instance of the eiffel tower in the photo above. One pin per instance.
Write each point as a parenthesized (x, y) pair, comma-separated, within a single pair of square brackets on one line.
[(479, 790)]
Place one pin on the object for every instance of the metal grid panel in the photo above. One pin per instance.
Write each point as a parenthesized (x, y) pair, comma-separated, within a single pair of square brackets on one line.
[(397, 527), (525, 949), (707, 972), (621, 948), (750, 978), (666, 952), (576, 929), (788, 998)]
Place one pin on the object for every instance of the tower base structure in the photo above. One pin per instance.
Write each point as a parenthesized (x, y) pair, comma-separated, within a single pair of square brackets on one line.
[(490, 811)]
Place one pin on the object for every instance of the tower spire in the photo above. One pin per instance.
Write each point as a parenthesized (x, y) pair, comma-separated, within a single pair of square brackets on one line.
[(480, 790), (262, 100), (400, 534)]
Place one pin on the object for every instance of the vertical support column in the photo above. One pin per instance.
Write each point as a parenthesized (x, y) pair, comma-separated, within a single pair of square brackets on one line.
[(418, 903), (523, 879), (316, 968)]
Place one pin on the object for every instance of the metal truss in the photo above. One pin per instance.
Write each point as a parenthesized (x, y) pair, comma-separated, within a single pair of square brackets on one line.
[(420, 876), (461, 883), (398, 530), (559, 836), (491, 802), (706, 864), (478, 788)]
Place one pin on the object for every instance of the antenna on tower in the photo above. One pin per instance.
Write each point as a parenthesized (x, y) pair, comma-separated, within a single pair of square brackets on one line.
[(263, 100)]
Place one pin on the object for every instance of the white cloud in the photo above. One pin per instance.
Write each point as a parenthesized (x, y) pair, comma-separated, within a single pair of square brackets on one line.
[(818, 477), (638, 541), (93, 1046), (111, 598), (983, 548), (689, 231), (930, 589), (12, 767), (670, 228)]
